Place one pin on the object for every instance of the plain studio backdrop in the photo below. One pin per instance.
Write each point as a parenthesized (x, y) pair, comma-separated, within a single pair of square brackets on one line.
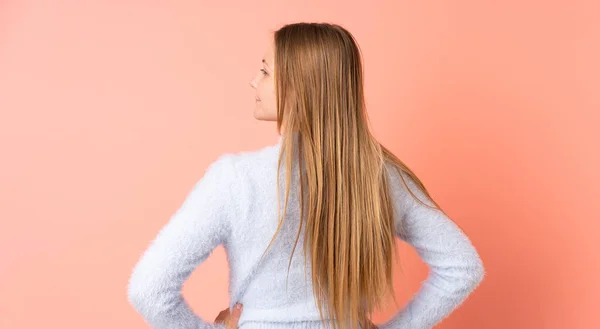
[(111, 110)]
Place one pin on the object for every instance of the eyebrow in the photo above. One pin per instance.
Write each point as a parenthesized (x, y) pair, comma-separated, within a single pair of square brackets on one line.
[(265, 63)]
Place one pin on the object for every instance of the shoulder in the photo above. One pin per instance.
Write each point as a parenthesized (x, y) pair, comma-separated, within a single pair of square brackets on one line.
[(244, 162), (233, 167), (405, 190)]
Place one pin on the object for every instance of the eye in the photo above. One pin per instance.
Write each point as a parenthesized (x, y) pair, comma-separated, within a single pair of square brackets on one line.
[(263, 71)]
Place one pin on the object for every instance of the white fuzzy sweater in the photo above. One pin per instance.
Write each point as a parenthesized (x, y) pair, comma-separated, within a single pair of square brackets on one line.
[(234, 204)]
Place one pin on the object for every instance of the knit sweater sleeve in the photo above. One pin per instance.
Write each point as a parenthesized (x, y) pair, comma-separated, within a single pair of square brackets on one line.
[(200, 224), (455, 268)]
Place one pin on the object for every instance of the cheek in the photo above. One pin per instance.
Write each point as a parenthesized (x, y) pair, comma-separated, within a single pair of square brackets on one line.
[(260, 89), (266, 91), (269, 91)]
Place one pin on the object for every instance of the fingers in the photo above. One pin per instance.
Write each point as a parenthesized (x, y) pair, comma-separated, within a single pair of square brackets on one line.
[(230, 319), (237, 312), (234, 317), (219, 317)]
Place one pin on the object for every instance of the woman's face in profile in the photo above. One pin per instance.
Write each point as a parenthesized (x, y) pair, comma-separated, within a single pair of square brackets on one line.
[(264, 84)]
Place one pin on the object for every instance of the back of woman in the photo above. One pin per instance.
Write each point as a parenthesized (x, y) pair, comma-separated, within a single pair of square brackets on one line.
[(309, 224)]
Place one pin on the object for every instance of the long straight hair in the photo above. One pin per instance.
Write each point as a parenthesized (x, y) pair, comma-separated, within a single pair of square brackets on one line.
[(346, 207)]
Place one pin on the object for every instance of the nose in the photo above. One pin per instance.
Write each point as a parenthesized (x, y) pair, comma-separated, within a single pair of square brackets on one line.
[(253, 82)]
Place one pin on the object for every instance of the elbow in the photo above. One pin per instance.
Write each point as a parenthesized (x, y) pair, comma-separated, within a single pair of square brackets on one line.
[(466, 275), (479, 272), (136, 294), (151, 299), (140, 296), (475, 273), (144, 301)]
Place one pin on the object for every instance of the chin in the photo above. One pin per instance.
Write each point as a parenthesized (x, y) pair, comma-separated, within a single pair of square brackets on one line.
[(263, 117), (260, 117)]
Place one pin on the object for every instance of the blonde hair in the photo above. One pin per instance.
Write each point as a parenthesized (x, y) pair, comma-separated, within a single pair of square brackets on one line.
[(346, 207)]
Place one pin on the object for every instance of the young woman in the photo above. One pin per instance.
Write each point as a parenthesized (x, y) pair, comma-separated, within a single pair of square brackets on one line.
[(327, 187)]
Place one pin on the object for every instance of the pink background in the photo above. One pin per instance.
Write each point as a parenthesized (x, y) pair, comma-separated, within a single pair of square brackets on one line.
[(111, 110)]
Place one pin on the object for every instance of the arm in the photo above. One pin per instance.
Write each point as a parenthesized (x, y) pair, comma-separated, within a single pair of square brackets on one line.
[(455, 266), (196, 228)]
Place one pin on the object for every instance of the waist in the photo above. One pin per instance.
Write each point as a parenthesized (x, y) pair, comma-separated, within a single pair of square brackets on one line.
[(251, 324), (299, 316)]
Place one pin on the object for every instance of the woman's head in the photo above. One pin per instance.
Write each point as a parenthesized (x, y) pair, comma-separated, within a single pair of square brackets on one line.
[(311, 78), (312, 85)]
